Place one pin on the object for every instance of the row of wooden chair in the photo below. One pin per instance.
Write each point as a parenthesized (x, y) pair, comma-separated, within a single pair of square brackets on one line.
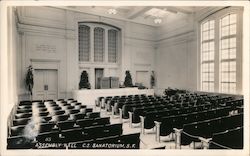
[(76, 134), (115, 106), (229, 139), (62, 121), (197, 131), (167, 120)]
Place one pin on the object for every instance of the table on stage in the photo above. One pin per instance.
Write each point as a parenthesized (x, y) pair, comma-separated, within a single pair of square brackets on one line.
[(88, 96)]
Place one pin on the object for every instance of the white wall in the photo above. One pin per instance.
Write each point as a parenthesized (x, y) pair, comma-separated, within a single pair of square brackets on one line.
[(44, 44), (139, 49), (49, 36), (170, 50), (176, 55)]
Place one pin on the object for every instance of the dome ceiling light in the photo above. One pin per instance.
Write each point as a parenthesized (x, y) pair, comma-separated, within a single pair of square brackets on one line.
[(157, 14), (157, 20), (112, 11)]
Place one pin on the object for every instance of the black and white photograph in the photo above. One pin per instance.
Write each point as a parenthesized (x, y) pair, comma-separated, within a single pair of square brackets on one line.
[(143, 77)]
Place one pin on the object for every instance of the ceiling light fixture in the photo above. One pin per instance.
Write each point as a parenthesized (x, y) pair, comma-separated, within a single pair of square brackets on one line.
[(112, 11), (157, 20)]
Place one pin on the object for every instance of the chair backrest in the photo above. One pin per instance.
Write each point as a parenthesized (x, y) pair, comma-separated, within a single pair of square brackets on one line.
[(23, 111), (25, 107), (43, 113), (48, 137), (22, 121), (72, 135), (73, 111), (80, 106), (68, 107), (130, 139), (25, 103), (59, 112), (58, 118), (23, 115), (44, 109), (94, 132), (56, 108), (64, 125), (114, 129), (102, 121), (16, 130), (45, 119), (78, 116), (19, 142), (93, 115), (109, 139), (46, 127), (87, 110), (232, 139), (85, 122)]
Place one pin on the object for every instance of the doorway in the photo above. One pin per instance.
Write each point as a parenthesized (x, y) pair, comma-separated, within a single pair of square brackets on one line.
[(142, 78), (98, 76), (45, 84)]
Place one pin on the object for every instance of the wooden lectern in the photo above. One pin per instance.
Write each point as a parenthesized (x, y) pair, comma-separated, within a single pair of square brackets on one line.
[(109, 82)]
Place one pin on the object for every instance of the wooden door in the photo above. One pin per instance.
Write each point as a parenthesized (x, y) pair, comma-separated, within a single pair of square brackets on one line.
[(142, 77), (98, 75), (45, 84)]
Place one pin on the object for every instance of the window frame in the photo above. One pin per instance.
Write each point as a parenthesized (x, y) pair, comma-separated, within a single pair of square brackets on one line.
[(103, 45), (82, 59), (116, 46), (239, 76), (106, 28), (209, 61)]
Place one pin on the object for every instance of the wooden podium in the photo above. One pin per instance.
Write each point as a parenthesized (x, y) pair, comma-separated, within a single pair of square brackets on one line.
[(114, 82), (109, 82), (104, 83)]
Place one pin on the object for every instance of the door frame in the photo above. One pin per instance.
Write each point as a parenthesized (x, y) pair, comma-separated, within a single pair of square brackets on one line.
[(47, 64), (95, 69), (147, 73)]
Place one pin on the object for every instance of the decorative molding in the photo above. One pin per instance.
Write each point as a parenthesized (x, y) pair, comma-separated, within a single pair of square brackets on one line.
[(139, 39), (211, 11), (106, 17), (203, 13), (97, 65), (178, 29), (177, 39), (139, 42), (43, 48), (56, 17), (45, 60), (45, 63), (42, 30), (142, 64)]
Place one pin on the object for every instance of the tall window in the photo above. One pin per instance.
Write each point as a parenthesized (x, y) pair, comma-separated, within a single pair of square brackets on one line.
[(112, 45), (84, 43), (98, 44), (228, 53), (220, 52), (207, 55)]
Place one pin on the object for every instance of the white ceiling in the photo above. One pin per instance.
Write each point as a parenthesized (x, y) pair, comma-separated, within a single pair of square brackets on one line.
[(140, 14)]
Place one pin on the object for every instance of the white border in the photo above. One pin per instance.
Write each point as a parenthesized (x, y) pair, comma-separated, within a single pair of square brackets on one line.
[(4, 77)]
